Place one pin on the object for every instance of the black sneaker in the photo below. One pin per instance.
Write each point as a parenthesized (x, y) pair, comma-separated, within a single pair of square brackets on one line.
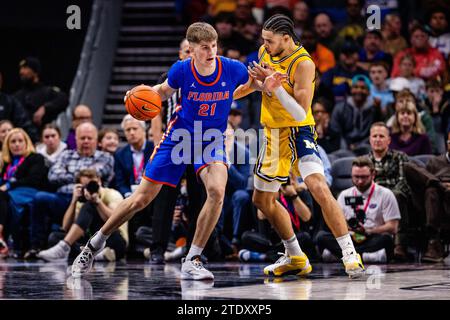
[(31, 254)]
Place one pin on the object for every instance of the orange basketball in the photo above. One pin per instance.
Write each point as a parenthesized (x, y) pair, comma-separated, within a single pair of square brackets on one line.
[(143, 103)]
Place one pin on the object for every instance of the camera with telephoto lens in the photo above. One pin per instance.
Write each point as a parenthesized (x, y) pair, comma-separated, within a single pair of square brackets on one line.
[(92, 187), (360, 215)]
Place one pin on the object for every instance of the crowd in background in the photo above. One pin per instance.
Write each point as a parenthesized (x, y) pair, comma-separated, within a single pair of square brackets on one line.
[(381, 109)]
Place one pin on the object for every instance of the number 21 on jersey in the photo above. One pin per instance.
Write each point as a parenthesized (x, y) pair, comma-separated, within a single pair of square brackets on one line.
[(207, 110)]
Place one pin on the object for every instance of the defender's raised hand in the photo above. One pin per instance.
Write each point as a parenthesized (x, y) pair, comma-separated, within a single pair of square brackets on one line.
[(274, 81), (259, 72)]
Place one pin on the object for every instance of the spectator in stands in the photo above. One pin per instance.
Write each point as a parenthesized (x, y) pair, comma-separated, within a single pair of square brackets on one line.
[(179, 228), (235, 118), (301, 18), (242, 14), (325, 32), (129, 168), (236, 197), (217, 6), (351, 119), (224, 24), (150, 136), (389, 167), (51, 146), (263, 9), (108, 140), (340, 77), (372, 224), (371, 51), (251, 30), (12, 109), (431, 187), (330, 141), (80, 114), (321, 90), (429, 61), (379, 73), (354, 24), (408, 133), (406, 71), (42, 103), (5, 127), (52, 206), (323, 57), (23, 174), (438, 106), (91, 205), (393, 41), (440, 35)]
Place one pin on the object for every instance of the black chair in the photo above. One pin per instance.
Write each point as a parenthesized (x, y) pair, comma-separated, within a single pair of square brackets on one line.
[(342, 153), (341, 170)]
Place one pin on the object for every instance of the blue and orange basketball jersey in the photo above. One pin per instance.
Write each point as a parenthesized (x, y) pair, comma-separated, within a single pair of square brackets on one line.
[(205, 104)]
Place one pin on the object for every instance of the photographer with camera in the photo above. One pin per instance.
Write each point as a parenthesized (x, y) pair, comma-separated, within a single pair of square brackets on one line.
[(372, 216), (90, 207)]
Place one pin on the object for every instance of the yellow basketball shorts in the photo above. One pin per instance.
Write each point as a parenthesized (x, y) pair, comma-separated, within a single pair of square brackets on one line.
[(285, 149)]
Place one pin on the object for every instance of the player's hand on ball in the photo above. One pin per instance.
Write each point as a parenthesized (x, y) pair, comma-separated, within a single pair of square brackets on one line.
[(126, 96), (273, 81)]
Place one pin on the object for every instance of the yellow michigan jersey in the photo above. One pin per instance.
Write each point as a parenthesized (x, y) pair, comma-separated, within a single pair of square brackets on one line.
[(273, 114), (288, 143)]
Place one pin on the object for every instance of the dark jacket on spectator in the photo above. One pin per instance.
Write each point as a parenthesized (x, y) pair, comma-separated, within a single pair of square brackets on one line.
[(123, 166), (37, 95), (31, 173), (340, 79), (353, 123), (417, 144), (11, 109)]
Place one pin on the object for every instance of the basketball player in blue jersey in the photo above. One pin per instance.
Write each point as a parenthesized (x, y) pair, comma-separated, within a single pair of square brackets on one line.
[(207, 83)]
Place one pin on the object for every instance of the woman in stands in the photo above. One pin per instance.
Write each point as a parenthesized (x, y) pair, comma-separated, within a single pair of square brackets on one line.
[(108, 140), (23, 174), (408, 133), (51, 146)]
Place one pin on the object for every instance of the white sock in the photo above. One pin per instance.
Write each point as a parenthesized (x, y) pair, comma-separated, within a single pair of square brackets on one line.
[(98, 239), (194, 251), (346, 244), (64, 245), (292, 247)]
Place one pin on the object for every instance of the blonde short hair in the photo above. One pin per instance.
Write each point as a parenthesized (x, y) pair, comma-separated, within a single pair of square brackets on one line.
[(6, 153), (201, 31)]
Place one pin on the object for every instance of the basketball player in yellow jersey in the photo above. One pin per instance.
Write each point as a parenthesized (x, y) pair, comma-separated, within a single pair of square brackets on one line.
[(288, 87)]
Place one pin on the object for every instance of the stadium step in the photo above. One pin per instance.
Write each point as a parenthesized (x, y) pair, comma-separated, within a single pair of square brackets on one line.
[(148, 45)]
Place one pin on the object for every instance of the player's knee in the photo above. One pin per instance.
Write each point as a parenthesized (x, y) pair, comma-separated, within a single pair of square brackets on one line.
[(261, 201), (318, 187), (216, 193)]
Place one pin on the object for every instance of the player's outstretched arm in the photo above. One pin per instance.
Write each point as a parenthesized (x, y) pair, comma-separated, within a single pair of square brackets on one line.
[(164, 90), (253, 84)]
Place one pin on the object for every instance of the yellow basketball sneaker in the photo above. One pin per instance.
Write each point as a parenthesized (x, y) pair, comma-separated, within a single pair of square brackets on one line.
[(353, 265), (289, 265)]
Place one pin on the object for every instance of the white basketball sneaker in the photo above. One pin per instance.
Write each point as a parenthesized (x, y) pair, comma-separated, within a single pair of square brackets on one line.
[(353, 264), (194, 270), (84, 261)]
